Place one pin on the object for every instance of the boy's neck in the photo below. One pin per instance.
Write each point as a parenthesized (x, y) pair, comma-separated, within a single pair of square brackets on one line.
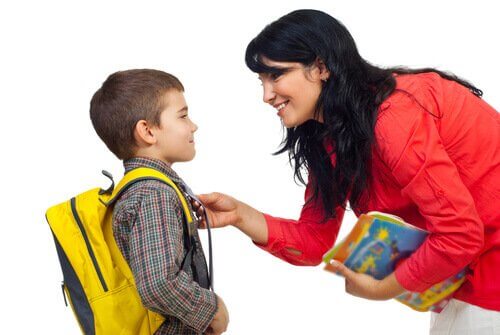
[(144, 153), (158, 164)]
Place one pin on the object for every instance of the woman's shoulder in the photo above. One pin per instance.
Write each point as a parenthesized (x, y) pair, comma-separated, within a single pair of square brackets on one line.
[(413, 93), (393, 129), (415, 98), (411, 88), (415, 81)]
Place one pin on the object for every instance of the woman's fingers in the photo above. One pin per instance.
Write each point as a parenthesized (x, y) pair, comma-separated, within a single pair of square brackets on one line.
[(221, 209), (339, 268), (358, 284), (202, 223), (199, 211)]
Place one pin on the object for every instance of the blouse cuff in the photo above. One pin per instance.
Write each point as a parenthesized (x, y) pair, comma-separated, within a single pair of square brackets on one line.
[(275, 235)]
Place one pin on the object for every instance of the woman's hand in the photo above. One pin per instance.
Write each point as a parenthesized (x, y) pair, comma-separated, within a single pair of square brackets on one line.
[(223, 210), (365, 286)]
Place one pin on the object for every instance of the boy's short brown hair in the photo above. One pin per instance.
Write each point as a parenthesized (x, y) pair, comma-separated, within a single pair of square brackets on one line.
[(125, 98)]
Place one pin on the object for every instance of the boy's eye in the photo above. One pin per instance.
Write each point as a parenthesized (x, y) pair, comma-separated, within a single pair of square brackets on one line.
[(183, 116)]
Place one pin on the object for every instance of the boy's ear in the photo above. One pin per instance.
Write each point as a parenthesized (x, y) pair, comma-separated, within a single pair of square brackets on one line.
[(324, 73), (143, 134)]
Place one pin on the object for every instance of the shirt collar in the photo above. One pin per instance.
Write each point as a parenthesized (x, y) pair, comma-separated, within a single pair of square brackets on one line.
[(153, 163)]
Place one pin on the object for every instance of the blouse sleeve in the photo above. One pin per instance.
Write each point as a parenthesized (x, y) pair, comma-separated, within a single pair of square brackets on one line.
[(309, 235), (410, 145)]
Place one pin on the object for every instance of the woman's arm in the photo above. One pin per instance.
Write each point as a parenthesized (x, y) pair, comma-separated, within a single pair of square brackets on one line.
[(299, 242), (419, 162), (224, 210)]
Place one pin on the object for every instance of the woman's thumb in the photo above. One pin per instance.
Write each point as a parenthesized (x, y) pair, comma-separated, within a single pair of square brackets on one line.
[(207, 198), (339, 268)]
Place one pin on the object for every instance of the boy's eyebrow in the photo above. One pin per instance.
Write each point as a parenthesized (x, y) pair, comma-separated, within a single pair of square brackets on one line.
[(183, 109)]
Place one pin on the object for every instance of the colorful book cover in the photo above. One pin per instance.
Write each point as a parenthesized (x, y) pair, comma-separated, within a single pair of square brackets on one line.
[(377, 244)]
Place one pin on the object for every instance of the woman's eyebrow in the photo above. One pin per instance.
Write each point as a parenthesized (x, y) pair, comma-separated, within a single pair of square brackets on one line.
[(275, 70)]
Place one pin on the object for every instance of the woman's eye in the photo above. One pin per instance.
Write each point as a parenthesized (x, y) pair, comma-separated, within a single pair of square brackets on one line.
[(184, 116), (274, 76)]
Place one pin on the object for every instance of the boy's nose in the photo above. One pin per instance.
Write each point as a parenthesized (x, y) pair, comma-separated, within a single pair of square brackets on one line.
[(194, 127)]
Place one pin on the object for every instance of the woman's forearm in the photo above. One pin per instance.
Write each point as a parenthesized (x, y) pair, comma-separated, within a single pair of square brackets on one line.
[(252, 223)]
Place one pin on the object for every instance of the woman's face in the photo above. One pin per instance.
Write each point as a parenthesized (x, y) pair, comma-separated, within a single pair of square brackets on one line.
[(295, 93)]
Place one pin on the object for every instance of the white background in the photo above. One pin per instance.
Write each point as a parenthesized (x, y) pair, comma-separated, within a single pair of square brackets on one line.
[(54, 55)]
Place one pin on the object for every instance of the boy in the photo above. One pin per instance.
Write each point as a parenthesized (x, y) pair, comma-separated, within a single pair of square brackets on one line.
[(142, 117)]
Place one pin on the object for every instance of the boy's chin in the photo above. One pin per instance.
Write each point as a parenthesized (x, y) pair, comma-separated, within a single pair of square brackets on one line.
[(185, 159)]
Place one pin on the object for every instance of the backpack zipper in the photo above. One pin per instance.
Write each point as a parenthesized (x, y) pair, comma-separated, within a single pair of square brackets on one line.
[(87, 243)]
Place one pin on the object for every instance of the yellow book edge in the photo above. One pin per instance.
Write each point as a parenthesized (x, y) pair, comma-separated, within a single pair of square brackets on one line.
[(427, 303), (342, 250)]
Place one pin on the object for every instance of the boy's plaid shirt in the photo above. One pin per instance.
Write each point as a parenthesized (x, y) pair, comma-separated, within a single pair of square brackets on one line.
[(148, 223)]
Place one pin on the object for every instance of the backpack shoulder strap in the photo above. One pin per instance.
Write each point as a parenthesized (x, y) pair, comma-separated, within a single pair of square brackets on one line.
[(144, 173)]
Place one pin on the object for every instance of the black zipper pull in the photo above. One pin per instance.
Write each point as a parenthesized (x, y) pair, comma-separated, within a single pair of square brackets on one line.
[(64, 294)]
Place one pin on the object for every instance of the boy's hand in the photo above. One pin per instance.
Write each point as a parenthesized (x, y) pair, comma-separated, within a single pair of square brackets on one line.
[(220, 321)]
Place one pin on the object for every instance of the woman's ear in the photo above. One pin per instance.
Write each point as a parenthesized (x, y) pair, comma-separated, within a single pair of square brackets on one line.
[(324, 73), (144, 134)]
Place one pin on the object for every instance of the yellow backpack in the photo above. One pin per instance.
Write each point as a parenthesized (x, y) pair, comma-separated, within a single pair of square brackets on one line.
[(97, 279)]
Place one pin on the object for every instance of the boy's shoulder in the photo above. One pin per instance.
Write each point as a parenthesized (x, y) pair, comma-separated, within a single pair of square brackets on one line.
[(143, 191), (151, 195)]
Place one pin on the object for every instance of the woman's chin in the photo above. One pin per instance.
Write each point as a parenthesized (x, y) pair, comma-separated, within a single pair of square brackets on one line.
[(290, 123)]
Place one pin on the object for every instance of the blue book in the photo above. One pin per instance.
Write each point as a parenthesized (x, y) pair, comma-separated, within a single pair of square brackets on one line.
[(377, 244), (383, 247)]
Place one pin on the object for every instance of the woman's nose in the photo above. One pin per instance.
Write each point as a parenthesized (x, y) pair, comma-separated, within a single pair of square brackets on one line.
[(269, 94)]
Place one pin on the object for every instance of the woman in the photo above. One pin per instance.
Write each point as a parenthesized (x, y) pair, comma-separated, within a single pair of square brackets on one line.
[(419, 144)]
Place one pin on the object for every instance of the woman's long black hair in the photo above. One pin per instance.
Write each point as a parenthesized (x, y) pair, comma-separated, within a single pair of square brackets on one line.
[(349, 101)]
